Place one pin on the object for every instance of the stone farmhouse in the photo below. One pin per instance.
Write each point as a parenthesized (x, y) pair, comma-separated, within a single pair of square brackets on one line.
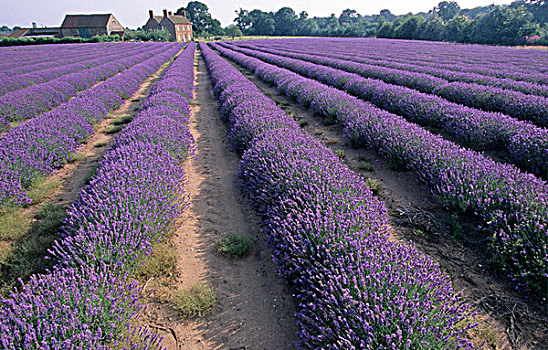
[(179, 26)]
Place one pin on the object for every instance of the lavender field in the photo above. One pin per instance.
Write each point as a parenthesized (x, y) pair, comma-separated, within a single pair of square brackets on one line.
[(401, 188)]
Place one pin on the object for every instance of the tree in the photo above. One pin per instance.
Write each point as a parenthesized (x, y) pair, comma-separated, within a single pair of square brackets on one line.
[(384, 28), (387, 15), (408, 28), (198, 14), (233, 31), (285, 19), (503, 26), (333, 26), (457, 29), (432, 29), (447, 10), (242, 20), (348, 16)]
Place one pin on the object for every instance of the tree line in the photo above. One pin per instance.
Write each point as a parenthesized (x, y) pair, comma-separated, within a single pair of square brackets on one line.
[(521, 22)]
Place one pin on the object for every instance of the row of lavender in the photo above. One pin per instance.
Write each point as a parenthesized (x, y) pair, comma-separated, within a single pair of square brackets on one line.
[(512, 205), (331, 49), (525, 144), (528, 107), (502, 62), (25, 59), (329, 234), (37, 99), (36, 148), (89, 58), (89, 300)]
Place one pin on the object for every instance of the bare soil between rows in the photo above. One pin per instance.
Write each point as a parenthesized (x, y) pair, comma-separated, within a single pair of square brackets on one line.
[(254, 308), (507, 319)]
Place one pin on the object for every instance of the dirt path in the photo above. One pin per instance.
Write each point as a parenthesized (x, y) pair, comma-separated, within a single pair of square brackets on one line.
[(29, 251), (254, 309), (509, 321)]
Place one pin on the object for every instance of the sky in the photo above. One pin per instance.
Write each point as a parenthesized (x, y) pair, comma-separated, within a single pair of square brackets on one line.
[(134, 13)]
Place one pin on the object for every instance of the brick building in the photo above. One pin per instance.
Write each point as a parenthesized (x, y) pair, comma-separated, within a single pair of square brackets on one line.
[(179, 26), (86, 26)]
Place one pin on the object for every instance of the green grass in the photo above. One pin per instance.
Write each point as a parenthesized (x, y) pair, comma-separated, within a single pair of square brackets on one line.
[(194, 103), (302, 123), (160, 263), (100, 144), (121, 120), (340, 153), (27, 255), (77, 157), (366, 166), (112, 129), (373, 185), (331, 141), (13, 224), (418, 232), (41, 190), (234, 245), (194, 301)]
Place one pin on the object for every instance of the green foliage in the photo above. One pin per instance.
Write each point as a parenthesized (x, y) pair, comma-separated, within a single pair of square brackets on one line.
[(202, 21), (33, 239), (366, 166), (234, 245), (113, 129), (48, 40), (447, 10), (160, 263), (516, 24), (77, 157), (194, 301), (340, 153), (149, 35), (40, 190), (121, 120), (233, 31)]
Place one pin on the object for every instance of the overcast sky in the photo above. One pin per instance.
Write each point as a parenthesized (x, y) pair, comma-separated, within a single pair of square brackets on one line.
[(134, 13)]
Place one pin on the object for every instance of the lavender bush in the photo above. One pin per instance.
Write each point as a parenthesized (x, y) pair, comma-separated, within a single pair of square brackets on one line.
[(516, 104), (37, 147), (89, 301), (525, 144), (511, 204), (329, 234), (36, 99)]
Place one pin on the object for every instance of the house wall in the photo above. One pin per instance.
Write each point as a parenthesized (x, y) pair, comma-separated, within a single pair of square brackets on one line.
[(83, 32), (167, 24), (152, 25), (114, 26)]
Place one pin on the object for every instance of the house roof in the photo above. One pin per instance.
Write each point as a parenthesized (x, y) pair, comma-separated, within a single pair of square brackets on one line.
[(75, 21), (18, 33), (176, 19)]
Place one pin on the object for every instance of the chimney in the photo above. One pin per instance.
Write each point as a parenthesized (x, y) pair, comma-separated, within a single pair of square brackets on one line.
[(184, 13), (170, 13), (34, 25), (165, 13), (151, 13)]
